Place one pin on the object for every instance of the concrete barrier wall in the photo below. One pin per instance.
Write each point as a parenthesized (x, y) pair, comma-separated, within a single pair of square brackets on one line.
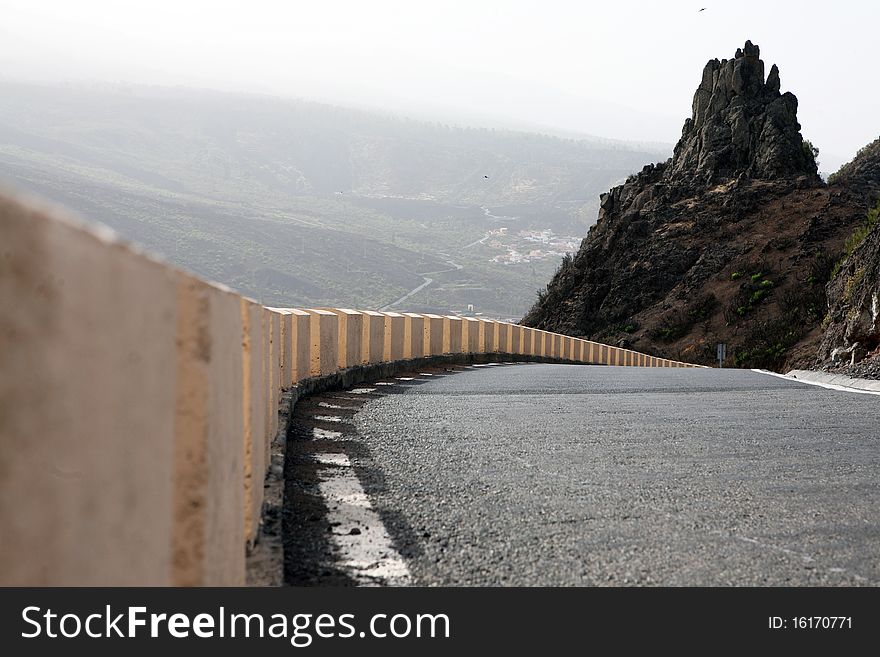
[(530, 341), (209, 422), (413, 335), (487, 336), (452, 334), (254, 417), (470, 335), (502, 335), (350, 334), (138, 403), (373, 340), (300, 345), (324, 342), (433, 335), (273, 373), (395, 333)]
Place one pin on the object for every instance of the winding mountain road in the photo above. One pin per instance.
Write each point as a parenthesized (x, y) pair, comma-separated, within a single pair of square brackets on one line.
[(584, 475), (427, 281)]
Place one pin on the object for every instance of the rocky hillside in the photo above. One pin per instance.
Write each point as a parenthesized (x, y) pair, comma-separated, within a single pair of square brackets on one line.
[(732, 240), (852, 326)]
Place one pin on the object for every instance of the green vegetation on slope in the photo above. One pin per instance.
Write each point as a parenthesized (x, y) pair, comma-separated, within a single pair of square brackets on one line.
[(858, 236)]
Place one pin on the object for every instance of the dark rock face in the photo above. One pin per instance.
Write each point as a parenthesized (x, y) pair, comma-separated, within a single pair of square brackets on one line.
[(731, 240), (742, 125), (863, 173), (852, 326)]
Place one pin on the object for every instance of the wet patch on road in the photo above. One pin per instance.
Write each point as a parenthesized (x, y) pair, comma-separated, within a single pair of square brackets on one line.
[(333, 536)]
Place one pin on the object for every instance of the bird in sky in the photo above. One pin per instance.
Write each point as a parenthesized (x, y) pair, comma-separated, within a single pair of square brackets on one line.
[(485, 176), (703, 9)]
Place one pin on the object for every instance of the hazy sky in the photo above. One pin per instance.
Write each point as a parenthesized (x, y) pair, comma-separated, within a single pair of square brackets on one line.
[(621, 69)]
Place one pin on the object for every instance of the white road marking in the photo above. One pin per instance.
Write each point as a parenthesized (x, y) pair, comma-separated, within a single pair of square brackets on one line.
[(361, 391), (337, 406), (405, 378), (425, 374), (364, 547), (326, 434), (328, 418), (829, 386), (385, 383), (333, 458)]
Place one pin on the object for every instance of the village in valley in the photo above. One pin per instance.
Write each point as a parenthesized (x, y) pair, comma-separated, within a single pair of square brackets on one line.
[(526, 246)]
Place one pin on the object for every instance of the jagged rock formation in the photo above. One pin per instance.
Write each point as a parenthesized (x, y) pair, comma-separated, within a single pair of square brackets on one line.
[(742, 127), (731, 240), (741, 124)]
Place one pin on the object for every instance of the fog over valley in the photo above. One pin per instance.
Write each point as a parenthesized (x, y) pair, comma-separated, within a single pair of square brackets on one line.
[(385, 154)]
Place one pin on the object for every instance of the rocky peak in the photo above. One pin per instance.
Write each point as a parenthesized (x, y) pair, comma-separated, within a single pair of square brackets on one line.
[(731, 240), (741, 125)]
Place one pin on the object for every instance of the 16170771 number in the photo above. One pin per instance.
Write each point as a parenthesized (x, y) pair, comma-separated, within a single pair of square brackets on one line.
[(810, 623)]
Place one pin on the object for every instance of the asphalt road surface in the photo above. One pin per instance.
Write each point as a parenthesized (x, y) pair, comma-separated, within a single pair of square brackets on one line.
[(581, 475)]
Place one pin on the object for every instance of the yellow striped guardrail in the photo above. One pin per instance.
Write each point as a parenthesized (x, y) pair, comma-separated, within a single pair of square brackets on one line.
[(138, 403)]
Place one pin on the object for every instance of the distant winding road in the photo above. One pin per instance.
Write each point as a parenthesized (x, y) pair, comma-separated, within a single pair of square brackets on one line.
[(426, 283)]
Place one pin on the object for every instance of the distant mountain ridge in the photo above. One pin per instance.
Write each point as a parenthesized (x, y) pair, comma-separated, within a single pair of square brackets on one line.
[(301, 203), (301, 147)]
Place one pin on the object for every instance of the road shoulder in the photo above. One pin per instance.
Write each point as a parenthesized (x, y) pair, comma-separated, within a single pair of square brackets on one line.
[(830, 381)]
